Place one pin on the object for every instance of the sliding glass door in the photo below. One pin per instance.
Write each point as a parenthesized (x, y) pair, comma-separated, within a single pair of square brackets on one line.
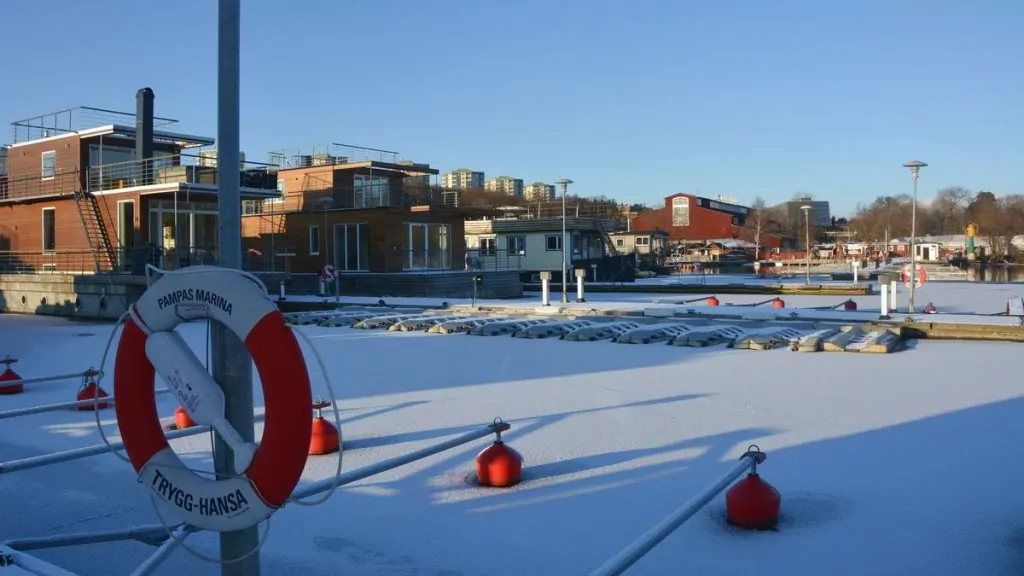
[(429, 247), (352, 247)]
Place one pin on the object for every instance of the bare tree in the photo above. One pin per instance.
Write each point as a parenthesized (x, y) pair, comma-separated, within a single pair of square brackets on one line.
[(948, 208), (758, 219)]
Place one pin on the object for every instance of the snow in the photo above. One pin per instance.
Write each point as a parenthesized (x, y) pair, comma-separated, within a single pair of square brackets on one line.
[(888, 464)]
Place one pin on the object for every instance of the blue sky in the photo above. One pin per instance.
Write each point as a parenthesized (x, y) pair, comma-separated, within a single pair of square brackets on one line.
[(632, 99)]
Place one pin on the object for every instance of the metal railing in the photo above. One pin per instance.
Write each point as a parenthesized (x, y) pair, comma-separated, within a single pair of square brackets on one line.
[(130, 260), (74, 120), (484, 259), (175, 168), (62, 183)]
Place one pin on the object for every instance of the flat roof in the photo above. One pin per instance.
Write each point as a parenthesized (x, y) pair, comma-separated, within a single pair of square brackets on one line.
[(177, 138), (406, 168)]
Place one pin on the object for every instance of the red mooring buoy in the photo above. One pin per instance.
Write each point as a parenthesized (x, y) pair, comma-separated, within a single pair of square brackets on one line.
[(849, 305), (182, 420), (713, 301), (325, 439), (9, 375), (929, 308), (90, 390), (778, 303), (499, 465), (753, 503)]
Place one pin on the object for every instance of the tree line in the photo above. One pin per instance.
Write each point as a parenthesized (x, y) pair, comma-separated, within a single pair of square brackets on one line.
[(997, 218)]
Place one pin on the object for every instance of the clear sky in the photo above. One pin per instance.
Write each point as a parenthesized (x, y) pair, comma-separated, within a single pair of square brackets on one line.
[(632, 99)]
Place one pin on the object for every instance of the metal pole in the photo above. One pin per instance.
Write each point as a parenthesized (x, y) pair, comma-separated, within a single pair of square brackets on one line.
[(232, 365), (147, 534), (163, 551), (807, 243), (913, 249), (44, 379), (644, 544), (60, 406), (565, 290), (84, 452), (385, 465)]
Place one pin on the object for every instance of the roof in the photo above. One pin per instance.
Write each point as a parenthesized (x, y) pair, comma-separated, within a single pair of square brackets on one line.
[(656, 231)]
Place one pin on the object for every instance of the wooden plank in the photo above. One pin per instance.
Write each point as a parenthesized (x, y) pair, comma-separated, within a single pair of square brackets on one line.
[(882, 342)]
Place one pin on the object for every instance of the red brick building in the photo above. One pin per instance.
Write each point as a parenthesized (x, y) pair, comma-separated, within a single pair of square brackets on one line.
[(694, 218)]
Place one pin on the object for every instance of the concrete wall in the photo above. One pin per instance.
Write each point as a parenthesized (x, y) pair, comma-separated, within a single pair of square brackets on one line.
[(104, 296)]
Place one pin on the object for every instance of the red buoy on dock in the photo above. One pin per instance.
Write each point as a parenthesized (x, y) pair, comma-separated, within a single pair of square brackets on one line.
[(778, 303), (850, 305), (713, 301), (9, 375), (182, 420), (499, 465), (90, 390), (753, 503), (325, 439), (929, 308)]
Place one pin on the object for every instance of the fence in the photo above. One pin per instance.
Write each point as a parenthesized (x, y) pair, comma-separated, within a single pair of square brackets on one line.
[(130, 260), (62, 183), (174, 168), (485, 259)]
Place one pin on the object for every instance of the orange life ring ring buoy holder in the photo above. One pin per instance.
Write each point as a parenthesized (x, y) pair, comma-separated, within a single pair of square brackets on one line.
[(241, 303)]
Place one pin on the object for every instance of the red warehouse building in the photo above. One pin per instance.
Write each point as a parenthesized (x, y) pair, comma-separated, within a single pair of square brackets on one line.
[(694, 218)]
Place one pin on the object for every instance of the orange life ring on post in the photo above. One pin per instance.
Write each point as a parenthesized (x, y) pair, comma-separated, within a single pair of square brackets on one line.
[(241, 303)]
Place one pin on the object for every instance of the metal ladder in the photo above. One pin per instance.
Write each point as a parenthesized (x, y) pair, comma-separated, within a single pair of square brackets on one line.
[(95, 232)]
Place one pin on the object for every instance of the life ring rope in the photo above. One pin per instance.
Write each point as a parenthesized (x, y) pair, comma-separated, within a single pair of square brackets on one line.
[(178, 533)]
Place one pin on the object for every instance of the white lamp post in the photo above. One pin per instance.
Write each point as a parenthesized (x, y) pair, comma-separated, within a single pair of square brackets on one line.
[(915, 168), (807, 241), (564, 183)]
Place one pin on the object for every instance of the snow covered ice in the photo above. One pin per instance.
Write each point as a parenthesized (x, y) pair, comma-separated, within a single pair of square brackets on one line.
[(888, 464)]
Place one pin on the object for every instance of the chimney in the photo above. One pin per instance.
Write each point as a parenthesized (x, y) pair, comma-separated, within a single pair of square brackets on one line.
[(144, 134)]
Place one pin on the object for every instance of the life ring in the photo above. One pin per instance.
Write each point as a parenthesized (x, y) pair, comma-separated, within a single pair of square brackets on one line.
[(241, 303), (328, 273)]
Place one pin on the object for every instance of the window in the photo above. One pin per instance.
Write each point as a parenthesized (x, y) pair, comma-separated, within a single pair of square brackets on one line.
[(488, 246), (49, 229), (553, 242), (371, 191), (680, 211), (516, 245), (619, 242), (276, 199), (429, 247), (352, 247), (643, 241), (49, 164), (314, 240)]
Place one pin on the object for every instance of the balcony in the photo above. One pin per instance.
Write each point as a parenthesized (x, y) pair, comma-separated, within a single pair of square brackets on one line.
[(24, 188), (175, 169)]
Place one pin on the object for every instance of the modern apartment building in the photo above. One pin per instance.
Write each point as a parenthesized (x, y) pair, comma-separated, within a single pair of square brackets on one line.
[(539, 192), (506, 185), (462, 179), (820, 213)]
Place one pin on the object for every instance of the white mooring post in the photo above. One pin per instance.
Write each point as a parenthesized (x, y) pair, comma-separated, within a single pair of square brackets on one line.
[(856, 268), (593, 269), (892, 293), (545, 288), (581, 276), (281, 288), (885, 302)]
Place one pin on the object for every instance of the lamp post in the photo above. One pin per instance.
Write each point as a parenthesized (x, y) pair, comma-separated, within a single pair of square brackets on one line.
[(564, 183), (807, 242), (915, 168)]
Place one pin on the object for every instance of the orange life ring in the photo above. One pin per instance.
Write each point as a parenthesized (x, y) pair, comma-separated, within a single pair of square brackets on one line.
[(241, 303)]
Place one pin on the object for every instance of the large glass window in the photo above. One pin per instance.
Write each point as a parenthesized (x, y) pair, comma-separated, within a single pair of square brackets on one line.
[(352, 247), (680, 211), (49, 168), (371, 191), (114, 166), (187, 234), (429, 247)]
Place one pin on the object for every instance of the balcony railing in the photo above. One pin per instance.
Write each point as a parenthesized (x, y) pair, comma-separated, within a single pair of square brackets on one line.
[(132, 260), (62, 183), (493, 260), (177, 168)]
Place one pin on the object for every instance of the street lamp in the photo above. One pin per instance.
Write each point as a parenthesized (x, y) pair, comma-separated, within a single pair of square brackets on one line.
[(915, 167), (807, 241), (564, 183)]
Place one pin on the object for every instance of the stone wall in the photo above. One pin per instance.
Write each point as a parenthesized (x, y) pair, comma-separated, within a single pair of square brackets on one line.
[(100, 296)]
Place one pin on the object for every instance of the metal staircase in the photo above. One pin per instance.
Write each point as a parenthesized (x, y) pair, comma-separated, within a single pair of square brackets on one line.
[(95, 232), (609, 243)]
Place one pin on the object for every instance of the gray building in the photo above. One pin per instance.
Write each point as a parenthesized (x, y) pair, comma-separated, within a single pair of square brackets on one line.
[(506, 185), (820, 214), (462, 179)]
